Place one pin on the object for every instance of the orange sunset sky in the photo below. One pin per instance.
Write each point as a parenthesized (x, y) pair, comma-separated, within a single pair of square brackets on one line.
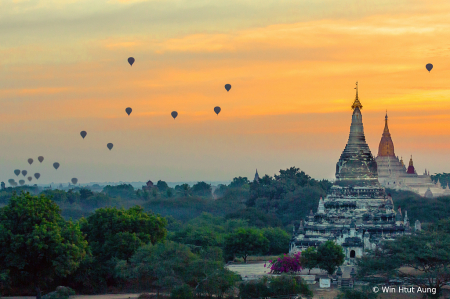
[(292, 66)]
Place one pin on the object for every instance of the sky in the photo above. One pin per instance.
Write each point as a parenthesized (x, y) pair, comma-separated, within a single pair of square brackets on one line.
[(292, 65)]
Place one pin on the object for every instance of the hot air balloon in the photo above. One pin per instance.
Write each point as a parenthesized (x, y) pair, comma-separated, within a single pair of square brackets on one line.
[(217, 110), (14, 184), (227, 87), (17, 172), (29, 178), (24, 172), (40, 158), (110, 146), (128, 110), (30, 161), (131, 61), (174, 114), (22, 182), (74, 181), (11, 181), (83, 134), (429, 67), (56, 165), (37, 175)]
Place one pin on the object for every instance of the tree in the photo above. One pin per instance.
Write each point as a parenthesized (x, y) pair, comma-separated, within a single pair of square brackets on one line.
[(164, 265), (244, 242), (202, 189), (134, 225), (122, 190), (309, 258), (114, 234), (330, 256), (85, 194), (162, 186), (239, 182), (274, 286), (37, 243), (428, 253), (278, 240), (286, 264)]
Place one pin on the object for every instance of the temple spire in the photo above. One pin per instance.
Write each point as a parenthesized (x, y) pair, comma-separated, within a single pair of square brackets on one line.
[(356, 103)]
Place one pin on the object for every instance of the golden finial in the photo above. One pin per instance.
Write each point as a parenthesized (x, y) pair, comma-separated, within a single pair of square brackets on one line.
[(356, 103)]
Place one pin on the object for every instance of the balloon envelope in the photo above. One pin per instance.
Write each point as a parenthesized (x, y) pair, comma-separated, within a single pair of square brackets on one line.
[(110, 146), (40, 158), (30, 178), (21, 182), (83, 134), (227, 87), (131, 60), (56, 165), (24, 172), (429, 67), (174, 114), (10, 181), (128, 110), (17, 172), (37, 175), (14, 184), (30, 161), (217, 110), (74, 181)]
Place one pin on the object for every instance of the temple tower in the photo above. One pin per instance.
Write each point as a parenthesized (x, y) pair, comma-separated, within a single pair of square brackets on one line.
[(356, 166)]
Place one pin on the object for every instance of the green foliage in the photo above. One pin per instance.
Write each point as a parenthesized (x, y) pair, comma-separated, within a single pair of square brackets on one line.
[(278, 240), (162, 186), (239, 182), (255, 217), (444, 178), (365, 293), (60, 293), (58, 196), (429, 211), (85, 194), (309, 258), (202, 189), (254, 289), (164, 264), (183, 190), (182, 292), (275, 286), (427, 252), (104, 227), (289, 195), (245, 242), (114, 234), (123, 191), (37, 244), (330, 256)]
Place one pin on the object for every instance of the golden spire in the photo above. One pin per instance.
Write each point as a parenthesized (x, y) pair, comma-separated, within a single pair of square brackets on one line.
[(386, 128), (356, 103)]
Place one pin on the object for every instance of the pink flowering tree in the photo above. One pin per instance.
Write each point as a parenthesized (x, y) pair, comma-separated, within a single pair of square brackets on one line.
[(286, 264)]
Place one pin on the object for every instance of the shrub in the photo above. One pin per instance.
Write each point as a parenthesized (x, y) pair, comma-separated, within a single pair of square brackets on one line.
[(60, 293), (182, 292), (286, 264)]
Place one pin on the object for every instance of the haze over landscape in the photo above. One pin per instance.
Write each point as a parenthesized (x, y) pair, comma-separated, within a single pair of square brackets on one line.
[(292, 66)]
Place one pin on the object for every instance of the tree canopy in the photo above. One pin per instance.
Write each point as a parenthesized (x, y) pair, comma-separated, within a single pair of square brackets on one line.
[(37, 244), (244, 242)]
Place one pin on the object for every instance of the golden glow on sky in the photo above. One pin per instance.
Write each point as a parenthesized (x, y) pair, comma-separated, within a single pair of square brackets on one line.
[(292, 66)]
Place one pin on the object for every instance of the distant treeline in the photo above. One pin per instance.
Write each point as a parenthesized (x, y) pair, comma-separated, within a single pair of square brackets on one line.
[(278, 201)]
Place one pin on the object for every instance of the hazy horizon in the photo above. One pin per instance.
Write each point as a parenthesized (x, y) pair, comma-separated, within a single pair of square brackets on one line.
[(292, 66)]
